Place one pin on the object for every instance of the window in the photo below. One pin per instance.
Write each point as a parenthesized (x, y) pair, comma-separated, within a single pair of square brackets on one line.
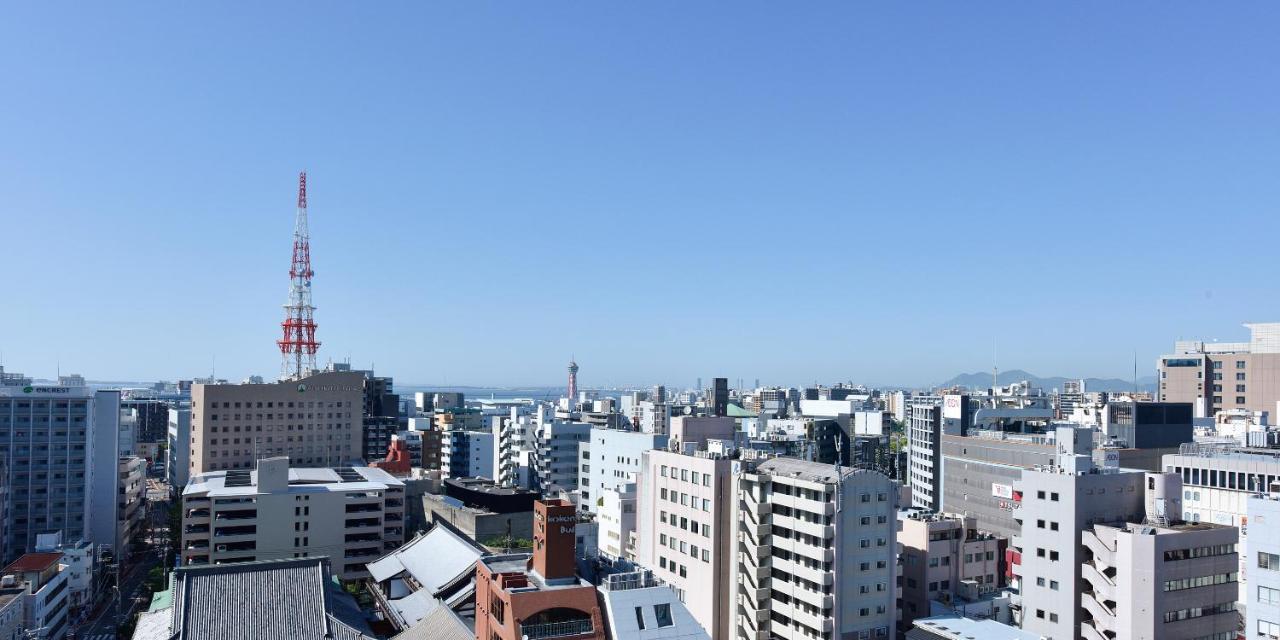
[(1239, 399), (1040, 495), (1239, 388), (1053, 584), (1040, 613), (1039, 581), (1054, 496), (1053, 556), (640, 618), (1053, 617), (1267, 561), (1240, 377), (1053, 526), (1239, 364), (663, 613), (1268, 629)]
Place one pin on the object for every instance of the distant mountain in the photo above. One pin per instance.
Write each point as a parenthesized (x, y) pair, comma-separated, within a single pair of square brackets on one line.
[(982, 380)]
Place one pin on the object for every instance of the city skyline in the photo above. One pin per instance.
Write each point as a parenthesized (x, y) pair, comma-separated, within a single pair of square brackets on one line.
[(894, 197)]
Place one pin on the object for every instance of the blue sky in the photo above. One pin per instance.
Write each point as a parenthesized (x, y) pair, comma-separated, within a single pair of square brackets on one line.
[(821, 191)]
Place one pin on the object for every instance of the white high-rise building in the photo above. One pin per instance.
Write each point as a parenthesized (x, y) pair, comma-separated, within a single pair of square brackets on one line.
[(610, 460), (817, 552)]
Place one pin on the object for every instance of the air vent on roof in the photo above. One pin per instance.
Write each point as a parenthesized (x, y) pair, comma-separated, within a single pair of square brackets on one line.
[(239, 478)]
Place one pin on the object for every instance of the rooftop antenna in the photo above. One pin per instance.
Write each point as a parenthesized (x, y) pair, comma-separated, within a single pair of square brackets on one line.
[(995, 370), (1135, 374)]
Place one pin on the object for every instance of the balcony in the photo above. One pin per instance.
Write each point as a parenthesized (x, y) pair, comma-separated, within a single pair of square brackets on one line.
[(1102, 554), (557, 629), (1090, 632)]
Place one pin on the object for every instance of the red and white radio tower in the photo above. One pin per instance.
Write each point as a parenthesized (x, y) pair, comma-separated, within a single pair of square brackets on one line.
[(298, 346)]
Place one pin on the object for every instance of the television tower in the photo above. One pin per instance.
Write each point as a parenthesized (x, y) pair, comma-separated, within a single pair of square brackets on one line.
[(298, 345), (573, 384)]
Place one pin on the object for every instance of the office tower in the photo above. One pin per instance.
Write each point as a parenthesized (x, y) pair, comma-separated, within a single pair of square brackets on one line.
[(298, 343), (316, 421), (718, 401), (1224, 375), (924, 439), (59, 447), (350, 514), (817, 552), (1160, 578), (940, 554), (1054, 506), (609, 460), (540, 597), (686, 524)]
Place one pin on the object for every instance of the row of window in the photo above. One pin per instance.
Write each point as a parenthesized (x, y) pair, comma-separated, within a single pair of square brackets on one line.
[(1220, 479), (1198, 612), (1199, 581), (685, 499), (680, 545), (1199, 552), (312, 404), (685, 475)]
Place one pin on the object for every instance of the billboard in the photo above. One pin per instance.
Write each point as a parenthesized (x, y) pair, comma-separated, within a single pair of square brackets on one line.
[(1002, 491)]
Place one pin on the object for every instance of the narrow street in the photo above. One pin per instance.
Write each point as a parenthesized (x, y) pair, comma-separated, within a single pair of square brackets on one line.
[(106, 617)]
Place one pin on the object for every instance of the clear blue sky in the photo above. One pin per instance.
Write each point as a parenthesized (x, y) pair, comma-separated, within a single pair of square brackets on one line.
[(794, 192)]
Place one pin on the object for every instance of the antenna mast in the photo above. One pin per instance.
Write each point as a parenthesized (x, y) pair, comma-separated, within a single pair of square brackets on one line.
[(298, 345)]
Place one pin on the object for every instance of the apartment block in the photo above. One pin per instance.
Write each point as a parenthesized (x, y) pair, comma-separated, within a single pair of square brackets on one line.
[(1054, 506), (610, 460), (178, 454), (1224, 375), (686, 526), (1262, 609), (940, 553), (468, 454), (1174, 581), (315, 421), (816, 552), (350, 514)]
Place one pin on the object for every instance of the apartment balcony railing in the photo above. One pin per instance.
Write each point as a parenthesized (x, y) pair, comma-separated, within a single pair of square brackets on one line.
[(557, 629)]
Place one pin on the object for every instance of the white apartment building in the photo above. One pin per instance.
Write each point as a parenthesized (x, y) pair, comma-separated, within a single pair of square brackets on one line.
[(816, 554), (1053, 506), (352, 515), (556, 462), (924, 452), (611, 460), (1262, 608), (79, 560), (686, 528), (617, 519), (469, 454)]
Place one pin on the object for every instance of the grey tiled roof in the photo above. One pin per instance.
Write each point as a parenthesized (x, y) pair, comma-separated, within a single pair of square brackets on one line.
[(266, 600), (441, 624)]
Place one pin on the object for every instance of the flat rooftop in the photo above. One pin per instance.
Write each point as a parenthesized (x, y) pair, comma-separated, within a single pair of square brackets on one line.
[(519, 563), (302, 480), (806, 470)]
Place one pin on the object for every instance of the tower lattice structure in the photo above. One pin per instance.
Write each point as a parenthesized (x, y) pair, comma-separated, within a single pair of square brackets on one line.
[(298, 345)]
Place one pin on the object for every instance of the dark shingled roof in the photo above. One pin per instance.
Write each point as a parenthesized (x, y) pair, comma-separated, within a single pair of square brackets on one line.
[(288, 599)]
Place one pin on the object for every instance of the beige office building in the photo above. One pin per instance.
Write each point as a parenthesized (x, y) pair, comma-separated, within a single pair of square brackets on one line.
[(1225, 375), (315, 421), (352, 515)]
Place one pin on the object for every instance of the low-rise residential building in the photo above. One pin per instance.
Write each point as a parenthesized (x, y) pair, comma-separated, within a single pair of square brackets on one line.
[(1174, 581), (79, 560), (350, 515), (941, 552), (46, 603), (816, 553)]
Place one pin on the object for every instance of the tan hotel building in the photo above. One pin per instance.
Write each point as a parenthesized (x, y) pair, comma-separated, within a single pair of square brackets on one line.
[(1225, 375), (315, 421)]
